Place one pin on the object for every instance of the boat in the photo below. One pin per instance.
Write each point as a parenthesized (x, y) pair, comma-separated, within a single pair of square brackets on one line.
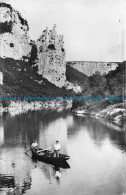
[(48, 157)]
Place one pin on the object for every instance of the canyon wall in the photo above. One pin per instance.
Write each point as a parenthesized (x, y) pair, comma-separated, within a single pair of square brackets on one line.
[(47, 54), (1, 78), (14, 38), (89, 67)]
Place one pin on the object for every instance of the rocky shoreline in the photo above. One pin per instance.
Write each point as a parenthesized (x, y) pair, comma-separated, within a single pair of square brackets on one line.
[(24, 106), (115, 113)]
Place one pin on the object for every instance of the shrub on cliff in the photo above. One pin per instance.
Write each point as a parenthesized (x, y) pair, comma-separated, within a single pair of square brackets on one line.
[(23, 21), (77, 103), (5, 5), (5, 27), (5, 103)]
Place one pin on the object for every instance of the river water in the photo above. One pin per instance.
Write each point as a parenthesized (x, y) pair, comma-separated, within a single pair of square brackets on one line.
[(97, 149)]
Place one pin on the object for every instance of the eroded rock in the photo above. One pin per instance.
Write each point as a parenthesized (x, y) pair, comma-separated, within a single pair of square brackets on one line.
[(14, 38), (51, 57), (1, 78)]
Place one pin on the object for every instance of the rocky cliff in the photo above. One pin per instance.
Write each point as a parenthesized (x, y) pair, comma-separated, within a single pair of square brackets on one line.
[(47, 55), (51, 57), (89, 68), (1, 78), (14, 38)]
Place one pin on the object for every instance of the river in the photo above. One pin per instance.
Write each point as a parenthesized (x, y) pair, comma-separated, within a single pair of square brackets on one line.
[(97, 149)]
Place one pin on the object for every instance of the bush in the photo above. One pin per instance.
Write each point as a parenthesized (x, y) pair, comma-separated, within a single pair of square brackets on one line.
[(5, 27), (5, 103), (51, 47)]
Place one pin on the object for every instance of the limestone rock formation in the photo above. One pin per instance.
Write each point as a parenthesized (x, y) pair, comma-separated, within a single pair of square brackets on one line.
[(1, 78), (14, 38), (51, 57)]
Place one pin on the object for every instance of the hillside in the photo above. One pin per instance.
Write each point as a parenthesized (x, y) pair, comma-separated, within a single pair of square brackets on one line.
[(111, 83), (20, 79), (74, 75), (97, 85)]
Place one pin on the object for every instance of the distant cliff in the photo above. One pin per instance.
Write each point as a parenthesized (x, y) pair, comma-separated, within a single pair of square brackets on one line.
[(89, 67), (14, 38)]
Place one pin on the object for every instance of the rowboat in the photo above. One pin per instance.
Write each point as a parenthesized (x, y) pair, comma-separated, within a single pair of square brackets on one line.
[(48, 157)]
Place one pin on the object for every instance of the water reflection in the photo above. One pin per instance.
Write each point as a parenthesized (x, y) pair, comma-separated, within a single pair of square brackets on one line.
[(99, 131), (7, 181), (51, 172), (97, 150)]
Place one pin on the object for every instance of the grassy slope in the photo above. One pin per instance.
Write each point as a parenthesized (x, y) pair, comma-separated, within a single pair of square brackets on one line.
[(19, 80)]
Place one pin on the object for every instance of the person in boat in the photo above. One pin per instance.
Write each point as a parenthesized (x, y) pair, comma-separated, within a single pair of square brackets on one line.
[(34, 145), (57, 148)]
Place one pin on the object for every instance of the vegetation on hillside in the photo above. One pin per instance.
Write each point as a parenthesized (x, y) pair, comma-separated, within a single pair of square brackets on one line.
[(97, 85), (20, 79), (5, 27), (74, 76)]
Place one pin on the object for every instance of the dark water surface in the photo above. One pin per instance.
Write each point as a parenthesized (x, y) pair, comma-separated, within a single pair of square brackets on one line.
[(97, 150)]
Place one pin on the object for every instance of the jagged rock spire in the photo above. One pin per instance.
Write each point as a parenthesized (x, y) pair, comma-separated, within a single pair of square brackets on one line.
[(51, 56)]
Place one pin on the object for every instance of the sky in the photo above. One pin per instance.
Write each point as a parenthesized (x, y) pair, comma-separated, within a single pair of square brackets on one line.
[(94, 30)]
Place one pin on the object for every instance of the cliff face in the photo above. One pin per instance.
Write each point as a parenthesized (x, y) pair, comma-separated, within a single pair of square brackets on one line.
[(14, 39), (51, 57), (89, 68), (1, 78), (47, 54)]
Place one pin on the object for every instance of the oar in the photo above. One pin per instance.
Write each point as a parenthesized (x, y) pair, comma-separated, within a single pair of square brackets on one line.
[(40, 150), (27, 151), (46, 149)]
